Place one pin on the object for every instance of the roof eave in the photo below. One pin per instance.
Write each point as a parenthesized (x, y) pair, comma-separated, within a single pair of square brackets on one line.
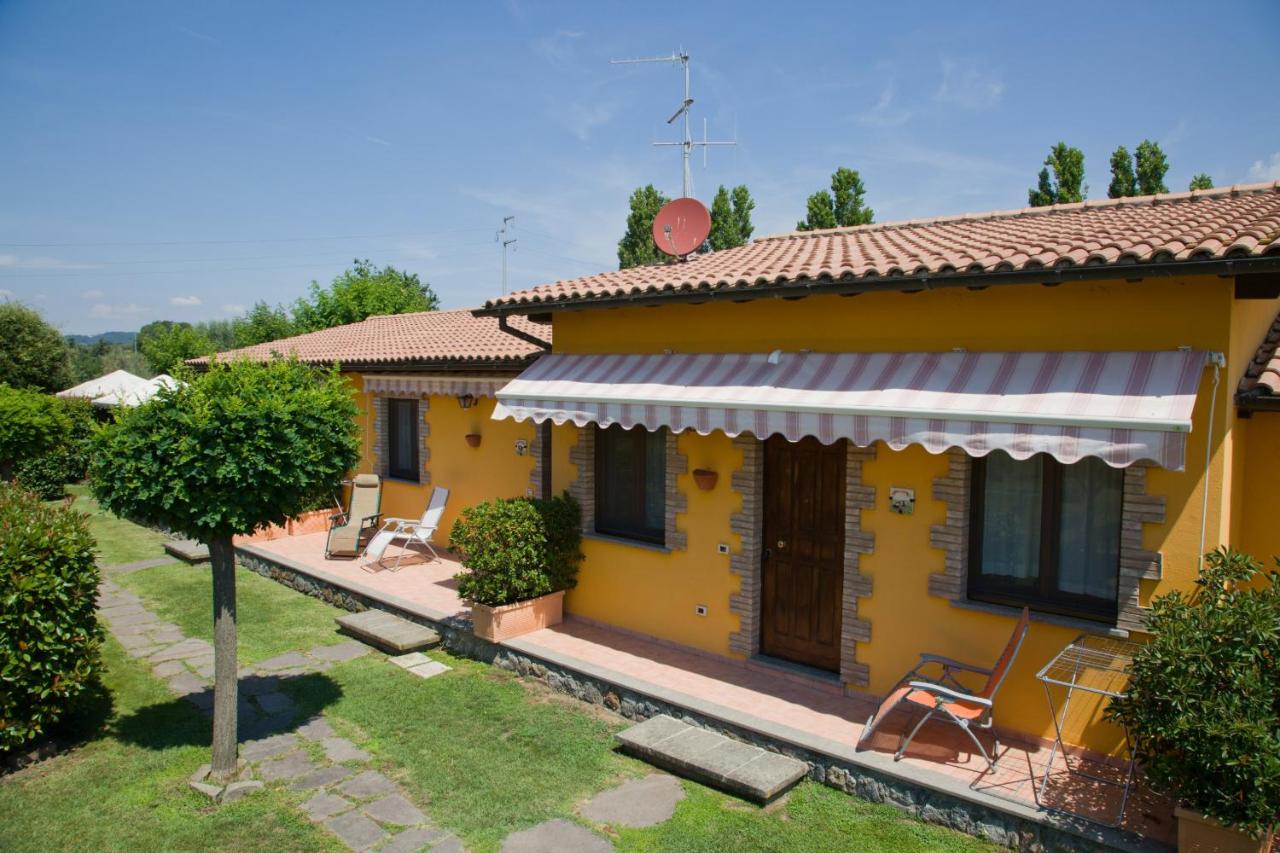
[(851, 285)]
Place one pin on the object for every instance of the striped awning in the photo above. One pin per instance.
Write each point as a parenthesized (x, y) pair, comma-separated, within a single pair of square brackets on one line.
[(1121, 407), (449, 386)]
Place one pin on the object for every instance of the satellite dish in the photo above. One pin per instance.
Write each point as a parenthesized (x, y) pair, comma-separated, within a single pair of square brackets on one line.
[(681, 227)]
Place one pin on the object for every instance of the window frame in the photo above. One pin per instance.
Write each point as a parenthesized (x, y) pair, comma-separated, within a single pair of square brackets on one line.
[(1046, 597), (413, 473), (602, 480)]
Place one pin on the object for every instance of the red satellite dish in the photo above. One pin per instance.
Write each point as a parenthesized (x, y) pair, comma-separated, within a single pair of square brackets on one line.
[(681, 226)]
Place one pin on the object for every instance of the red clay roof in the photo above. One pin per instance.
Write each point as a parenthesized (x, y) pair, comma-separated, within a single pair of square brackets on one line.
[(1262, 376), (428, 336), (1227, 223)]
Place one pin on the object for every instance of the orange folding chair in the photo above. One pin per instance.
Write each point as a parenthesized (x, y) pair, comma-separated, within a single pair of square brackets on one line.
[(945, 698)]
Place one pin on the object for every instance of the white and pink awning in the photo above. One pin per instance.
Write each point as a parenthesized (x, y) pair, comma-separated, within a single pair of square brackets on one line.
[(1121, 407)]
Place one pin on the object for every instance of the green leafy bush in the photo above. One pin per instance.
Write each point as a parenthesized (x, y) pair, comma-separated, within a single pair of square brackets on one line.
[(515, 549), (1204, 697), (47, 473), (30, 424), (49, 631)]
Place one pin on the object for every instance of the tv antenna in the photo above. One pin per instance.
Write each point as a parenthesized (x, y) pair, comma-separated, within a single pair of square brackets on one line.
[(687, 143), (500, 236)]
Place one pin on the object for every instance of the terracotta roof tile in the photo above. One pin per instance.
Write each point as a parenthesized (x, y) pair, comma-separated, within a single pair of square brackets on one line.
[(1262, 376), (427, 336), (1230, 222)]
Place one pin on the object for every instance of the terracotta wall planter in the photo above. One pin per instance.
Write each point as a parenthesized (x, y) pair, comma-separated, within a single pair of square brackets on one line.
[(511, 620), (705, 479), (473, 439), (1200, 834)]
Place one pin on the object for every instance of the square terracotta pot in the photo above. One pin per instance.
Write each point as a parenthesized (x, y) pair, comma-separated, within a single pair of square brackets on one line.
[(1199, 833), (511, 620)]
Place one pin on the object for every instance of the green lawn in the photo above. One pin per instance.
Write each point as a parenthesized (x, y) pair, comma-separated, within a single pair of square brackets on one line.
[(272, 619), (485, 752), (119, 541), (126, 787)]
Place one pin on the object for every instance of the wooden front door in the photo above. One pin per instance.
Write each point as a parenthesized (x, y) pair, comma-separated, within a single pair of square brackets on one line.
[(803, 551)]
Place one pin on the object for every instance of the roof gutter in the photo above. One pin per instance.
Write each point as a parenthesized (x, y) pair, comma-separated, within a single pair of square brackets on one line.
[(505, 326), (853, 286)]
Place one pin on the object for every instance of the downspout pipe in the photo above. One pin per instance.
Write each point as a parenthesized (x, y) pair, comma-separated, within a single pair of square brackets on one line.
[(522, 335)]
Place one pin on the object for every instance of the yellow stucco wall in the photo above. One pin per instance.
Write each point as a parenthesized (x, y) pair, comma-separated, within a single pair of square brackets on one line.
[(655, 593), (1260, 510), (472, 475)]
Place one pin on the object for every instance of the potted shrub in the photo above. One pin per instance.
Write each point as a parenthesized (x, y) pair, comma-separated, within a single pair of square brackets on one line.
[(520, 555), (1204, 704)]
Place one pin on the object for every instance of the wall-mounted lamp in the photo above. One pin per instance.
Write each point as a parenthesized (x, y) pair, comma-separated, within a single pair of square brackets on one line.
[(522, 447), (473, 439), (466, 401)]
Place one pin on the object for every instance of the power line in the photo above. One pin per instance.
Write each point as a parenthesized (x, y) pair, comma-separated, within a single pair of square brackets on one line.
[(65, 245)]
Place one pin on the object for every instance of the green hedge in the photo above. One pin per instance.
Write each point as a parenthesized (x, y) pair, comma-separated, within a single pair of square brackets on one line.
[(1204, 696), (47, 473), (49, 631), (515, 549)]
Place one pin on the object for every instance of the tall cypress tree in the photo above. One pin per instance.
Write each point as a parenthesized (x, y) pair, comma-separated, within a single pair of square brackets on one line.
[(636, 248), (1123, 181), (1152, 166)]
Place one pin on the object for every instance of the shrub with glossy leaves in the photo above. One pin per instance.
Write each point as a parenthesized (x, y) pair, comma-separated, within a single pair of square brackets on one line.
[(30, 423), (1204, 697), (67, 461), (241, 446), (515, 549), (49, 631)]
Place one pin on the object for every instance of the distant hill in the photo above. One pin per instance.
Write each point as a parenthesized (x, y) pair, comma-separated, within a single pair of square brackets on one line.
[(109, 337)]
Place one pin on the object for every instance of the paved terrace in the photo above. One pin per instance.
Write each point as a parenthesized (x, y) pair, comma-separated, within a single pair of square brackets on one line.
[(786, 708)]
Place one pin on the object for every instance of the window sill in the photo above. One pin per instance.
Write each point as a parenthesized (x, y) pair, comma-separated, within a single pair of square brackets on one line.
[(404, 480), (622, 540), (1086, 625)]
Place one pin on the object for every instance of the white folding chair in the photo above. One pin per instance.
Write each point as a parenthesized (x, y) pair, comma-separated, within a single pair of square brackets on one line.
[(406, 531)]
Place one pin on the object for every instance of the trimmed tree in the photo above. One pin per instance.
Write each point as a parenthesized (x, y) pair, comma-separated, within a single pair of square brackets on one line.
[(242, 446)]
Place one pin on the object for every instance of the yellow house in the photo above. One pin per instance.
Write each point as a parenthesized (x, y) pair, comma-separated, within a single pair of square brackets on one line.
[(425, 386), (832, 451)]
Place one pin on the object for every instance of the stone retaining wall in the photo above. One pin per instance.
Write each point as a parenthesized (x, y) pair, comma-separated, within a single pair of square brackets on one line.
[(939, 807)]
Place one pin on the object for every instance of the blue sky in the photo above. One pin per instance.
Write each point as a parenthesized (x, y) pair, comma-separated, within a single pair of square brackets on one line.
[(181, 161)]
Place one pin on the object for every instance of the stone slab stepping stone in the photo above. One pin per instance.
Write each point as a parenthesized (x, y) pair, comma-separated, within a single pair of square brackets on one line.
[(288, 766), (185, 683), (640, 802), (125, 568), (368, 785), (387, 631), (556, 836), (316, 728), (257, 750), (340, 749), (188, 550), (324, 805), (705, 756), (321, 777), (413, 840), (287, 660), (355, 830), (340, 652), (395, 809)]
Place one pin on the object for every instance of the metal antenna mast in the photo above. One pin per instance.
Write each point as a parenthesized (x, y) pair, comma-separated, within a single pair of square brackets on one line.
[(500, 236), (687, 143)]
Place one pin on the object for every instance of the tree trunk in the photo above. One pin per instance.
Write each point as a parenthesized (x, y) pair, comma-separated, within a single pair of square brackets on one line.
[(223, 566)]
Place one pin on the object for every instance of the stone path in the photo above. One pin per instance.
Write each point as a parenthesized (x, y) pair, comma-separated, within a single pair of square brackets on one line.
[(362, 807), (359, 805)]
